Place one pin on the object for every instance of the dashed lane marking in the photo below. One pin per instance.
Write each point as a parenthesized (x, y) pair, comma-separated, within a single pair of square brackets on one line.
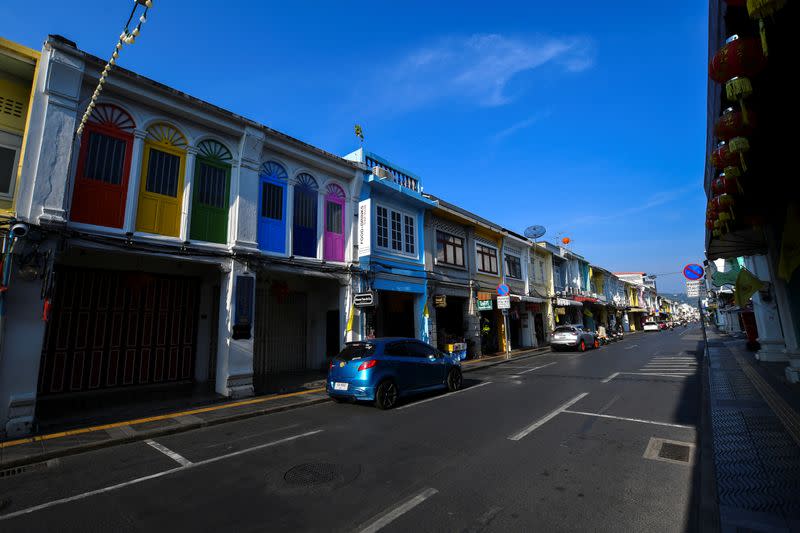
[(538, 367), (136, 481), (175, 456), (632, 346), (386, 518), (547, 417), (640, 420), (612, 376)]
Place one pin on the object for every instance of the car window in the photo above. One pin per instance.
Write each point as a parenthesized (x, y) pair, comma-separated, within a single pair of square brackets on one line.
[(396, 349), (564, 329), (356, 350), (420, 349)]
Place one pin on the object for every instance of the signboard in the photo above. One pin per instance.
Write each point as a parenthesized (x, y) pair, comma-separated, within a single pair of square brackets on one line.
[(484, 295), (693, 288), (364, 234), (243, 314), (485, 305), (365, 299), (504, 302), (693, 271), (503, 290), (440, 300)]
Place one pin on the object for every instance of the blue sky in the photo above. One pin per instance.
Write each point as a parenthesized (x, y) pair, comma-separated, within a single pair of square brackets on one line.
[(586, 117)]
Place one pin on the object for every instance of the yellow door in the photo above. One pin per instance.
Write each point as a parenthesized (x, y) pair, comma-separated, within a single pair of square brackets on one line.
[(161, 188)]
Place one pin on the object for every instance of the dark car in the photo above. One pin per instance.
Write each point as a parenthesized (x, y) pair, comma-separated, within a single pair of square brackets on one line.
[(384, 370)]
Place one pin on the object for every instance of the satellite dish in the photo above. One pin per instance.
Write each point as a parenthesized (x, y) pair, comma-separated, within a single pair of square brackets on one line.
[(534, 232)]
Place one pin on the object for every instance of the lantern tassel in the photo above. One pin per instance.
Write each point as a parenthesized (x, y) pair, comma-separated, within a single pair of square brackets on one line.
[(762, 29), (744, 112), (741, 158)]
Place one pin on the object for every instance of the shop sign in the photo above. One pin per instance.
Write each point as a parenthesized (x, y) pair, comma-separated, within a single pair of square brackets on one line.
[(365, 299), (504, 302), (440, 300), (561, 311), (364, 236), (485, 305), (483, 296)]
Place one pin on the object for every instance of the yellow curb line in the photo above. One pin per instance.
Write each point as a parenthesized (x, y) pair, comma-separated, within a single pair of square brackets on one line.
[(71, 432)]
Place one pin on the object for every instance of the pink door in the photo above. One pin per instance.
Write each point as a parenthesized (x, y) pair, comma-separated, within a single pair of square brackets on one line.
[(334, 224)]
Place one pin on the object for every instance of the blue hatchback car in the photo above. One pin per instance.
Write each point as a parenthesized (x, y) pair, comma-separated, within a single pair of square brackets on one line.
[(383, 370)]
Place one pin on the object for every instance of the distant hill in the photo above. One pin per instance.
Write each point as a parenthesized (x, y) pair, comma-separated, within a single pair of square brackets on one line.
[(679, 297)]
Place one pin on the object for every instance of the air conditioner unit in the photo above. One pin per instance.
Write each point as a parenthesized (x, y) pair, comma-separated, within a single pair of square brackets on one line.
[(381, 172)]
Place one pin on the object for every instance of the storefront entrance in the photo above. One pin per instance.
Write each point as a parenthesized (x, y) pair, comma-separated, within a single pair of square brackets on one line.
[(450, 327), (394, 315), (490, 339)]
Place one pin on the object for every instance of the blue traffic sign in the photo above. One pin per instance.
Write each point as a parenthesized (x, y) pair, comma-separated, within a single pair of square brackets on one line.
[(693, 271), (503, 289)]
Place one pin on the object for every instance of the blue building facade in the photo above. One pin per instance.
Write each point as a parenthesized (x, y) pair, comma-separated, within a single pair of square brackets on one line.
[(391, 249)]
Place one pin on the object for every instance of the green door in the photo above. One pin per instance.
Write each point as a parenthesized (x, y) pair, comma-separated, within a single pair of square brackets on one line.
[(210, 201)]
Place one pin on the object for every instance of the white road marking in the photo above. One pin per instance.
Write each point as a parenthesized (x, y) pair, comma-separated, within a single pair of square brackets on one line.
[(136, 481), (178, 458), (665, 374), (629, 419), (632, 346), (479, 385), (547, 417), (538, 367), (384, 519), (612, 376)]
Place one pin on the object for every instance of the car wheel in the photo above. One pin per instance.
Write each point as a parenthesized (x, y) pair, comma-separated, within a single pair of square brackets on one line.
[(454, 380), (596, 344), (386, 395), (582, 346)]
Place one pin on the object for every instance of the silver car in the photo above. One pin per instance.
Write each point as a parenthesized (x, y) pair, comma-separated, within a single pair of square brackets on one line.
[(573, 336)]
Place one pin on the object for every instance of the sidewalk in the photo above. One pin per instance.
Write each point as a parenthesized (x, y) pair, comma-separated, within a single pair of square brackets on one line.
[(15, 454), (756, 443)]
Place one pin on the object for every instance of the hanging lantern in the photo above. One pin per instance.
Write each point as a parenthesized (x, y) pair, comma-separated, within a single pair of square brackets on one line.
[(565, 240), (739, 57), (725, 185), (761, 9), (733, 172), (731, 124), (736, 90), (725, 204), (739, 146), (722, 157), (716, 233), (710, 223)]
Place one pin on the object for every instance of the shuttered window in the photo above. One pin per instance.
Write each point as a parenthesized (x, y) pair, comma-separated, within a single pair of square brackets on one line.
[(305, 208), (383, 227), (449, 249), (395, 231), (513, 267), (333, 218), (211, 185), (487, 259), (409, 234), (272, 201), (105, 159), (162, 173)]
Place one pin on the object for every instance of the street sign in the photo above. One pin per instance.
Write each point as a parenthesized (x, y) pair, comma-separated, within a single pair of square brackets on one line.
[(693, 288), (503, 290), (365, 299), (693, 271), (504, 302)]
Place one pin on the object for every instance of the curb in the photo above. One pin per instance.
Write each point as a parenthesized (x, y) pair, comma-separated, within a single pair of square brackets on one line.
[(189, 426)]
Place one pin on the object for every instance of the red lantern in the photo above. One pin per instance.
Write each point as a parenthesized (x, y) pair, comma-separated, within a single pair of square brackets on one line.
[(739, 57), (566, 240), (731, 124), (722, 157), (725, 185)]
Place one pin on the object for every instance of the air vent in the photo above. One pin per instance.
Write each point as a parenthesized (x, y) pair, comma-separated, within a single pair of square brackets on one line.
[(11, 106)]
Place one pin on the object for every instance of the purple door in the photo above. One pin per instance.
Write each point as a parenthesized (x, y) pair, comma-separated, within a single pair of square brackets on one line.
[(334, 224)]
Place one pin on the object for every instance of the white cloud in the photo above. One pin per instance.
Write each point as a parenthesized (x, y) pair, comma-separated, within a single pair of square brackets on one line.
[(521, 125), (476, 69), (654, 200)]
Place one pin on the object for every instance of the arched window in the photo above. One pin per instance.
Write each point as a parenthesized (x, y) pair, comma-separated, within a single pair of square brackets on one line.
[(161, 189), (272, 207), (334, 223), (211, 193), (104, 162), (304, 220)]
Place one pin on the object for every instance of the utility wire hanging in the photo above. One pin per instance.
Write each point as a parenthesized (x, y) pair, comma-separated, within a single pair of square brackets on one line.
[(126, 37)]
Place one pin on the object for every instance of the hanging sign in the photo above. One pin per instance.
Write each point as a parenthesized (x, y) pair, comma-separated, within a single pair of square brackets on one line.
[(504, 302), (365, 299), (440, 300), (485, 305), (484, 295)]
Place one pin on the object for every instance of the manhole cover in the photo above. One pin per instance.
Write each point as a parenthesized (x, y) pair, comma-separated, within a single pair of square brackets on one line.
[(676, 452), (314, 474)]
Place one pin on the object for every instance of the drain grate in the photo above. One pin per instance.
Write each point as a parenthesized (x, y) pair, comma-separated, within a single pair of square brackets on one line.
[(670, 451), (309, 474), (675, 452), (17, 470)]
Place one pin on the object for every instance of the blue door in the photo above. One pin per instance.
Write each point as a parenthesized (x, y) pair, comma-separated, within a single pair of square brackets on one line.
[(272, 208), (304, 226)]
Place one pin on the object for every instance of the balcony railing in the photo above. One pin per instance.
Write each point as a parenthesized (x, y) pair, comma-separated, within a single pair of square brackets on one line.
[(400, 178)]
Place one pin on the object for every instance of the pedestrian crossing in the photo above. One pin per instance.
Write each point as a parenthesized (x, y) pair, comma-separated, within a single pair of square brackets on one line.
[(670, 365)]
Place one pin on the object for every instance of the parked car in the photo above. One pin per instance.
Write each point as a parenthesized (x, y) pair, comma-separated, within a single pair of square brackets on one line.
[(387, 369), (650, 325), (573, 336), (662, 325)]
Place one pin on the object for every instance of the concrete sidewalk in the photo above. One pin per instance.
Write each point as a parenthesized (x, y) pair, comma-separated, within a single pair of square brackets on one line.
[(16, 454)]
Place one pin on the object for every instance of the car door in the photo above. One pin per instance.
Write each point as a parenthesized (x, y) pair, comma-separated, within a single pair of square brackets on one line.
[(430, 365), (400, 364)]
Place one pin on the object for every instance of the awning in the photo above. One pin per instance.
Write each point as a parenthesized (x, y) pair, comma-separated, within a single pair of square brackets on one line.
[(523, 298), (563, 302)]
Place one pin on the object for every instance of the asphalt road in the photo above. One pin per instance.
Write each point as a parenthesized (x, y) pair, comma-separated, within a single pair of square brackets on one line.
[(522, 448)]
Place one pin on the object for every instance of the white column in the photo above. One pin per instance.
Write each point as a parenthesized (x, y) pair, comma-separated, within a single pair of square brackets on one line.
[(188, 183), (132, 200), (770, 335), (234, 356)]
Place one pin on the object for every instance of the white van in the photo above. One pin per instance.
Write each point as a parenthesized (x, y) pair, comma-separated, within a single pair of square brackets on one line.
[(650, 325)]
